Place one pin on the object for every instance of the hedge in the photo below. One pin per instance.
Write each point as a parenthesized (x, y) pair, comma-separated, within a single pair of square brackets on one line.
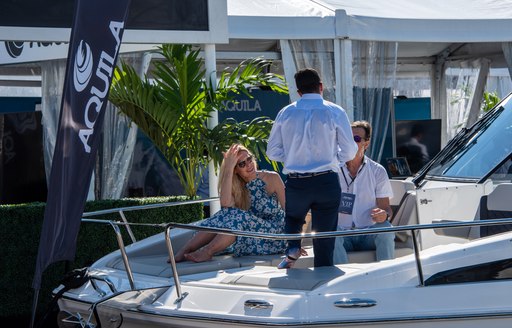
[(20, 229)]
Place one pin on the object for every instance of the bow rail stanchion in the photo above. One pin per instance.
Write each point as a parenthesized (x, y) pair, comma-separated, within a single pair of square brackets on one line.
[(417, 257), (121, 211), (115, 225), (173, 264), (120, 243)]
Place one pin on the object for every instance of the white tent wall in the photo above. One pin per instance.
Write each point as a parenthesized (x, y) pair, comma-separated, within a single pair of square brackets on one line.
[(371, 77), (52, 74), (118, 141), (464, 83), (499, 82), (116, 153), (507, 52)]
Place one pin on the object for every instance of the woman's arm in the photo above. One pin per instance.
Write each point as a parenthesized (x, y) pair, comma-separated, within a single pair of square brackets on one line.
[(230, 160), (275, 185)]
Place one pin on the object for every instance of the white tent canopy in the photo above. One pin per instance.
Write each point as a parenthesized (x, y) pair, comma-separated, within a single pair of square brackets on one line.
[(378, 20)]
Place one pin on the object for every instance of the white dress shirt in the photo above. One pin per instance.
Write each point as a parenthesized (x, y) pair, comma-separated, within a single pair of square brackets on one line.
[(311, 135)]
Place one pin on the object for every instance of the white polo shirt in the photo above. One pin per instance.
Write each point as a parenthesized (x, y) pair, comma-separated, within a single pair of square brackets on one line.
[(371, 182)]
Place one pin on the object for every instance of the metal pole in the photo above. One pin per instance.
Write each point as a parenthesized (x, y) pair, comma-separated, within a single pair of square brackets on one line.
[(128, 228), (173, 266), (417, 258), (123, 254), (211, 78)]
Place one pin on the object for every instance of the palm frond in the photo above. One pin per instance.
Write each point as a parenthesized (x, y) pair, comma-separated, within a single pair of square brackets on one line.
[(173, 109)]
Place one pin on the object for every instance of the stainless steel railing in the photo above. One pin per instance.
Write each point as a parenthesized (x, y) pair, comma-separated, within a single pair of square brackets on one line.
[(412, 228), (169, 226), (115, 225)]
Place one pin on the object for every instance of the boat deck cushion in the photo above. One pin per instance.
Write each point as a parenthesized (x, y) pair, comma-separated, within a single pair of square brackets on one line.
[(298, 279), (156, 265), (221, 262)]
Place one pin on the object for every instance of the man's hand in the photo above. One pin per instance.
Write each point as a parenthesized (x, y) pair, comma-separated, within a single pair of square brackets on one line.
[(379, 215)]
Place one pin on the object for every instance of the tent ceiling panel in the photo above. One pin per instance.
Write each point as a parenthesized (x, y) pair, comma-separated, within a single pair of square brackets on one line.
[(264, 27), (435, 30), (279, 8), (420, 49), (424, 9), (383, 20)]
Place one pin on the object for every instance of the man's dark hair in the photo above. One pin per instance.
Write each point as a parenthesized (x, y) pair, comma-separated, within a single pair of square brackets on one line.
[(308, 81), (365, 125)]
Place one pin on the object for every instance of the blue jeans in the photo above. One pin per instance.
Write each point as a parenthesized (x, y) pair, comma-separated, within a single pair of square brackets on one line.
[(383, 243)]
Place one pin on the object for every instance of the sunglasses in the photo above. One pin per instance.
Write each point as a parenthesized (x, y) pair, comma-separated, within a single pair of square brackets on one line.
[(243, 163), (358, 139)]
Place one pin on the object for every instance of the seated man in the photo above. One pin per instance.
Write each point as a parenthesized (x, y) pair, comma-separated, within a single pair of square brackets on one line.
[(365, 193)]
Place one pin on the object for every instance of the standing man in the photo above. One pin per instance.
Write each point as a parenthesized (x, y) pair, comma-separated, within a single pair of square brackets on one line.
[(365, 192), (310, 137)]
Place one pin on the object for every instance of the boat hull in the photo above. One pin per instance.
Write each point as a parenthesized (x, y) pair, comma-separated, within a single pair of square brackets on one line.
[(138, 320)]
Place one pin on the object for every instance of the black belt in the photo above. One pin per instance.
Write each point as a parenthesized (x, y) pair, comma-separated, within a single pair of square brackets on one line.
[(308, 174)]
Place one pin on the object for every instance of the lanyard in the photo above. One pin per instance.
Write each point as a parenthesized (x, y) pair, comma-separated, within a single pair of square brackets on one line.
[(353, 179)]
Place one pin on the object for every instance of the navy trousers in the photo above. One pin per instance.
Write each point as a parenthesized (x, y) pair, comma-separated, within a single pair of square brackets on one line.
[(320, 194)]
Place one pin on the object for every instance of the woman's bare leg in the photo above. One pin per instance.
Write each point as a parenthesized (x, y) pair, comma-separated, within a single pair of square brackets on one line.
[(199, 239), (219, 243)]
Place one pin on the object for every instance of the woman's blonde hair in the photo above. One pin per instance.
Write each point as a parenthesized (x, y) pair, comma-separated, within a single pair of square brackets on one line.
[(240, 193)]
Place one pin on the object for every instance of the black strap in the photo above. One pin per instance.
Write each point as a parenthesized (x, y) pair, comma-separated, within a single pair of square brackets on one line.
[(71, 280), (354, 178)]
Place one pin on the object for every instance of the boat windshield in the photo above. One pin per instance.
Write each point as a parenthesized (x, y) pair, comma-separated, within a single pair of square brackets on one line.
[(478, 152)]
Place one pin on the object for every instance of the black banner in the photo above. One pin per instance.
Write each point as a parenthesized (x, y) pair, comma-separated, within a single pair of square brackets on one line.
[(96, 35)]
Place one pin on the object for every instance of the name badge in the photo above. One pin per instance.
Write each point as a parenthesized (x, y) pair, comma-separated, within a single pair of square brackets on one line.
[(346, 203)]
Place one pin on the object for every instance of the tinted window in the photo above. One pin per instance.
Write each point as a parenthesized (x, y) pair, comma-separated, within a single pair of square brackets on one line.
[(479, 152), (497, 270)]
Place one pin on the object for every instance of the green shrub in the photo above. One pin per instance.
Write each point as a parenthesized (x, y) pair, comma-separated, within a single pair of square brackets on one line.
[(20, 230)]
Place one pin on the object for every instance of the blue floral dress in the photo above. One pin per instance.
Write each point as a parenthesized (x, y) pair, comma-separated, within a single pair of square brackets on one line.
[(265, 215)]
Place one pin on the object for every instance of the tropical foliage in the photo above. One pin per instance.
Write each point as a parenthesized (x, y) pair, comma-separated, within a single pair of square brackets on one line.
[(172, 108), (490, 100)]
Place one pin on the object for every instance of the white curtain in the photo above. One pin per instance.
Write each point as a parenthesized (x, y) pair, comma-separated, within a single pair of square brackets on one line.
[(52, 84), (507, 52), (416, 85), (317, 54), (119, 136), (464, 82), (373, 76), (118, 133), (499, 82), (117, 152)]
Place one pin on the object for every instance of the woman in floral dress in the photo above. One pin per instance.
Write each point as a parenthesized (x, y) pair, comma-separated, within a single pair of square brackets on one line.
[(251, 200)]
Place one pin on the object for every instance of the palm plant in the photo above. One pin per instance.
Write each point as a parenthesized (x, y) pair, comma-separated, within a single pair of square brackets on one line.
[(173, 109)]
